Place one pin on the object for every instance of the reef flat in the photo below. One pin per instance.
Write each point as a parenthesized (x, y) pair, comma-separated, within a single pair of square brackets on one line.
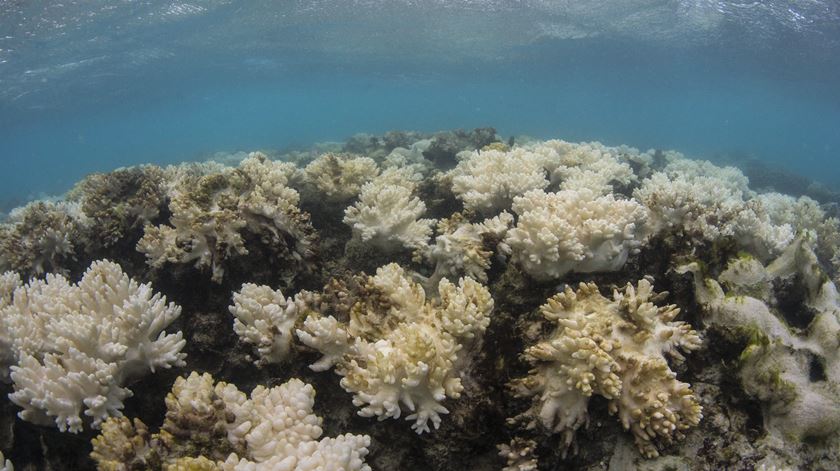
[(447, 301)]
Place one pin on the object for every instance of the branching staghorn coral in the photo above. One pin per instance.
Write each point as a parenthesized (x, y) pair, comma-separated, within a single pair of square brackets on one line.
[(574, 230), (397, 349), (615, 348), (212, 212), (388, 214), (74, 347), (217, 427), (43, 237), (265, 318)]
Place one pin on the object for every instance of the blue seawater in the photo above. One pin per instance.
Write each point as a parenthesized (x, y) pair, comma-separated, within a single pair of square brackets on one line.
[(90, 86)]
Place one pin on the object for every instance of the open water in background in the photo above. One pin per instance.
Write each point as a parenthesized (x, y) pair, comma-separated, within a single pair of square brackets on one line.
[(92, 85)]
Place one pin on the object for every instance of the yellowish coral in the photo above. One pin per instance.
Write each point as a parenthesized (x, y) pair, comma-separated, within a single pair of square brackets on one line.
[(338, 178), (615, 348), (400, 349), (211, 212)]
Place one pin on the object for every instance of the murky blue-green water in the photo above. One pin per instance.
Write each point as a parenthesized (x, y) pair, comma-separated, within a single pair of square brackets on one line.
[(87, 86)]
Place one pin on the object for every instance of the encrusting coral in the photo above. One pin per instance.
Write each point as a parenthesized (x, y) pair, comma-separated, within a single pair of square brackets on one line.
[(72, 348), (790, 364), (212, 212), (217, 427), (615, 348), (399, 349)]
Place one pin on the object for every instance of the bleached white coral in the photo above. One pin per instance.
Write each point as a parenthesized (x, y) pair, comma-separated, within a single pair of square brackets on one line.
[(76, 345), (487, 181), (709, 203), (339, 177), (462, 248), (264, 318), (9, 282), (411, 157), (210, 213), (702, 207), (519, 455), (615, 348), (400, 350), (589, 165), (283, 434), (574, 230), (388, 215), (273, 429)]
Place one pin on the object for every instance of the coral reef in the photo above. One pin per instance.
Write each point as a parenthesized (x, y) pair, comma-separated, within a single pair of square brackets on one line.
[(217, 427), (73, 347), (511, 297), (789, 364)]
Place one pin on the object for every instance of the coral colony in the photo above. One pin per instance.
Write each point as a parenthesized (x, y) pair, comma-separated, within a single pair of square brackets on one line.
[(507, 300)]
